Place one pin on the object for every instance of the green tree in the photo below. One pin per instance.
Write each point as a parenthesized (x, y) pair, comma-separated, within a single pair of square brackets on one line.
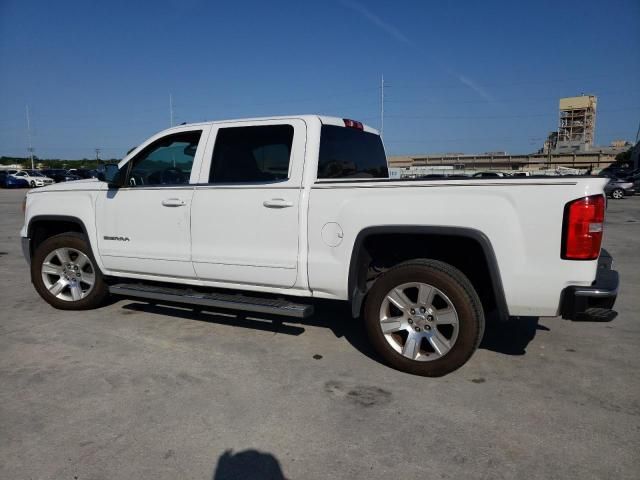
[(624, 157)]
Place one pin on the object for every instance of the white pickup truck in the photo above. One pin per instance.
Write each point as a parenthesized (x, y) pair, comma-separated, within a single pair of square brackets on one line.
[(261, 214)]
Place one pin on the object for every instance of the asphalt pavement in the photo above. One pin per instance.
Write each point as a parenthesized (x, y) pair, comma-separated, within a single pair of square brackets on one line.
[(138, 391)]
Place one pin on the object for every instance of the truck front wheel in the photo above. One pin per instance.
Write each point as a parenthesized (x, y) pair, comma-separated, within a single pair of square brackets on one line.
[(65, 274), (424, 317)]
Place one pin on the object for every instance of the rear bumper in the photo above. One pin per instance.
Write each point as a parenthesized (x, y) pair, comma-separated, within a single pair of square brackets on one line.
[(595, 302)]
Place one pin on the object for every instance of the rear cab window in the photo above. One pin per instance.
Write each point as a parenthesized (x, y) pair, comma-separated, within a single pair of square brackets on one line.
[(350, 153)]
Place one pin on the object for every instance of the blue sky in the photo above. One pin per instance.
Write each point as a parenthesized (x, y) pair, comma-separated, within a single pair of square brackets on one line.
[(465, 76)]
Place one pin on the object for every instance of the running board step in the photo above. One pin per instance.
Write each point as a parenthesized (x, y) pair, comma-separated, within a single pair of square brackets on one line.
[(218, 300)]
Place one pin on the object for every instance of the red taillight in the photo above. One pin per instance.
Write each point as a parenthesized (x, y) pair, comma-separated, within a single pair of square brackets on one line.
[(353, 124), (582, 228)]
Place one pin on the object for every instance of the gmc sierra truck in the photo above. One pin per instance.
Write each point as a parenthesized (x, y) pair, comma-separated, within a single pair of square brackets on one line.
[(260, 214)]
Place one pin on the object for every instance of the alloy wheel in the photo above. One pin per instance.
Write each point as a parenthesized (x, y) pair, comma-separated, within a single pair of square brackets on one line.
[(419, 321), (68, 274)]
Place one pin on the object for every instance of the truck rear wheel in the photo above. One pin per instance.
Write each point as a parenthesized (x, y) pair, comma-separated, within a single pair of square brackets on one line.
[(65, 274), (424, 317)]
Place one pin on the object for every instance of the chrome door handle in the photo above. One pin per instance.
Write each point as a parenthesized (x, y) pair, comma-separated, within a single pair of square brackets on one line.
[(277, 203), (173, 202)]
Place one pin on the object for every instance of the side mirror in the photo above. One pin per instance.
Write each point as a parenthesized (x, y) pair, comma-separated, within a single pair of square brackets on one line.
[(111, 175)]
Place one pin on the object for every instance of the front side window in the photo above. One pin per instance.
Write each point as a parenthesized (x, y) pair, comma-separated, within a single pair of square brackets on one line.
[(252, 154), (167, 161)]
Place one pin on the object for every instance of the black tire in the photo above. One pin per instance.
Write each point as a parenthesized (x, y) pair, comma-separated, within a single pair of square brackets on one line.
[(617, 194), (455, 285), (96, 296)]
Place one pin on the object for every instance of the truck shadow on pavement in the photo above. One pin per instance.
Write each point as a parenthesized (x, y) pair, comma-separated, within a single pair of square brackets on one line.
[(509, 338), (249, 465)]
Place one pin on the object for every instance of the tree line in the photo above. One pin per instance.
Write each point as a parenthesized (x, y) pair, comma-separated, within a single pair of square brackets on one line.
[(25, 162)]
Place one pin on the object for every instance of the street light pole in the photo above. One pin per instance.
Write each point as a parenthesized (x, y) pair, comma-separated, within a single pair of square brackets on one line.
[(382, 105), (170, 110), (30, 148)]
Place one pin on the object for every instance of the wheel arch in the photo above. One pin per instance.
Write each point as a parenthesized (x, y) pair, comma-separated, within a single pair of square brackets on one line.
[(41, 227), (361, 258)]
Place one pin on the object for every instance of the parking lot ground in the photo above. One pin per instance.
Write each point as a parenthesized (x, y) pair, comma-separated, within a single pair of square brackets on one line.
[(134, 391)]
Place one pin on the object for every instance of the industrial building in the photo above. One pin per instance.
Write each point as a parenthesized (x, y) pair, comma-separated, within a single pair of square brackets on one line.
[(577, 123), (569, 148), (415, 165)]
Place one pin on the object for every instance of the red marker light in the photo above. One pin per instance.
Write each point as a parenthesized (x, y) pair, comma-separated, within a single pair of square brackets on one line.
[(353, 124)]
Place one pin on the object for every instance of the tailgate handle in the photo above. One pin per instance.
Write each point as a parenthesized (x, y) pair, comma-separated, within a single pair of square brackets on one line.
[(173, 202), (277, 203)]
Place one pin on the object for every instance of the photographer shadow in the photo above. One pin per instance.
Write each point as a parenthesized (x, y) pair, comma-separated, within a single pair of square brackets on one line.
[(248, 465)]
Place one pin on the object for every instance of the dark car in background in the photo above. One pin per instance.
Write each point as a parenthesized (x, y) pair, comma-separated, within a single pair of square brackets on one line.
[(60, 175), (635, 178), (617, 171), (84, 173), (488, 175), (618, 188), (9, 181)]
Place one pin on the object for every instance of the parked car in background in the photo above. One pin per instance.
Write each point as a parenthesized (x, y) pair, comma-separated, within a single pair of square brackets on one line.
[(617, 171), (83, 172), (635, 179), (489, 175), (35, 179), (9, 181), (442, 175), (618, 188), (60, 175)]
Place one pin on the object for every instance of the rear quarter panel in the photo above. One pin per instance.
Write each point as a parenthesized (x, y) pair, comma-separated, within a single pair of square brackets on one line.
[(521, 218)]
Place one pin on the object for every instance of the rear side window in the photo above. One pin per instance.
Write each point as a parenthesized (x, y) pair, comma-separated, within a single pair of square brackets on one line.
[(252, 154), (350, 153)]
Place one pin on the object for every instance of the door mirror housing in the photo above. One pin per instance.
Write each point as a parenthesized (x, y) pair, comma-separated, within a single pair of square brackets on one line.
[(110, 174)]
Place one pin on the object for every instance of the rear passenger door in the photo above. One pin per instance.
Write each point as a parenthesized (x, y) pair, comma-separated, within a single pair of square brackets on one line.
[(245, 212)]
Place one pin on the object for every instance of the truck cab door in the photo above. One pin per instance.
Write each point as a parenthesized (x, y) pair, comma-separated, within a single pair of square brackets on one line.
[(144, 226), (245, 213)]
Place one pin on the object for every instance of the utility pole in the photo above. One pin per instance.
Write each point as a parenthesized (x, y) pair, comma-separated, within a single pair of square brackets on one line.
[(97, 157), (170, 110), (30, 148), (382, 105)]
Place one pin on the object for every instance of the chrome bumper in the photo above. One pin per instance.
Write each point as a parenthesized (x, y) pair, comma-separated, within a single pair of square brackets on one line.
[(593, 303)]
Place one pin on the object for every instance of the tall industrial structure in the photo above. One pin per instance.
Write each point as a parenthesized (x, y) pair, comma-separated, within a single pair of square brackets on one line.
[(577, 124), (569, 148)]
